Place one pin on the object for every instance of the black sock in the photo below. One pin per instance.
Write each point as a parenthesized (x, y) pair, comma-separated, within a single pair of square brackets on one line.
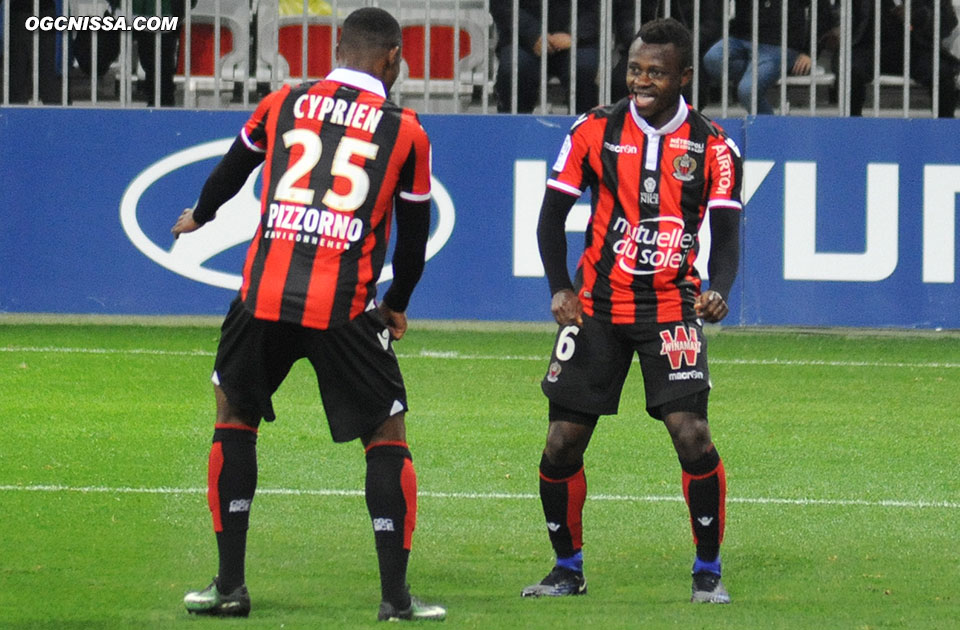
[(563, 490), (231, 483), (391, 493), (705, 489)]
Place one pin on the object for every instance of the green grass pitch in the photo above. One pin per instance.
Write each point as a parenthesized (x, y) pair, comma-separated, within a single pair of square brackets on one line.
[(841, 450)]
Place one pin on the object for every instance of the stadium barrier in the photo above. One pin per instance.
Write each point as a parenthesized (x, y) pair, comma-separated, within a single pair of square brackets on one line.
[(232, 52), (848, 222)]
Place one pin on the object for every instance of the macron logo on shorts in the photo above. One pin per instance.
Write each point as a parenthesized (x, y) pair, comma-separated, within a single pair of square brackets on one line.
[(383, 525)]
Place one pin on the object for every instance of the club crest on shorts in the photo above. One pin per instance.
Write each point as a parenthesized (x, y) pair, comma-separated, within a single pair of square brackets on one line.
[(681, 346), (554, 372)]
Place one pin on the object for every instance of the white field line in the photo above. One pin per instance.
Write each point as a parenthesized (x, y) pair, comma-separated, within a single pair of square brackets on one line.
[(882, 503), (459, 356)]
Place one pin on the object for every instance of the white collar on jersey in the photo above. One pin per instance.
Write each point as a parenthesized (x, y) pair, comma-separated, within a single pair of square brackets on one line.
[(358, 79), (670, 127)]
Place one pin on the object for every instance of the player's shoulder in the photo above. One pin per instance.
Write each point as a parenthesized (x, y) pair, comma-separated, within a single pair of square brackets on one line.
[(409, 118), (594, 121), (704, 124), (275, 96), (713, 133)]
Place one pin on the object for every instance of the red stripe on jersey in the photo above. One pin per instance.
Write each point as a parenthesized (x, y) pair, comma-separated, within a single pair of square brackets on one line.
[(261, 128), (322, 289), (272, 280), (214, 467), (380, 212), (248, 263)]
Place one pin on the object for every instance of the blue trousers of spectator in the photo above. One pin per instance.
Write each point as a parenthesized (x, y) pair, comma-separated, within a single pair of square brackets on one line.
[(741, 69), (558, 65)]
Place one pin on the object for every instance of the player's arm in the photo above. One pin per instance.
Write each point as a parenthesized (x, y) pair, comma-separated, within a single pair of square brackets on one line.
[(226, 180), (552, 241), (409, 256), (722, 267)]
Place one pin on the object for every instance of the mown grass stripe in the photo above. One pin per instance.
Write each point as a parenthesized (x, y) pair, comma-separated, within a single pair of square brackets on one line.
[(458, 356), (802, 502)]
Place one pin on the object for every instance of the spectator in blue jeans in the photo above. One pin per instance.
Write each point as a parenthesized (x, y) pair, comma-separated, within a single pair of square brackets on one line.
[(769, 48)]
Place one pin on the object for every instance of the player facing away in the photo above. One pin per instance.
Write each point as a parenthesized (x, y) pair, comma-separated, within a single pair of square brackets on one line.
[(654, 166), (338, 160)]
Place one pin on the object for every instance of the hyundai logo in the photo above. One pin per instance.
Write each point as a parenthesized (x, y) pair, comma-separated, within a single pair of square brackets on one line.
[(236, 221)]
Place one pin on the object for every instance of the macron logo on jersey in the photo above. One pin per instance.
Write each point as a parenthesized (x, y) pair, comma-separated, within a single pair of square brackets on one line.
[(621, 148)]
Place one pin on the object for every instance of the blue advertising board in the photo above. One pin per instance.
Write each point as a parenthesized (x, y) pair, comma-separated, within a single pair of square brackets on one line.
[(848, 222)]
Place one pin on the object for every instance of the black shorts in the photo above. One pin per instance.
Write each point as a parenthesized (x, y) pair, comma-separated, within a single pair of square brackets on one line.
[(590, 364), (357, 371)]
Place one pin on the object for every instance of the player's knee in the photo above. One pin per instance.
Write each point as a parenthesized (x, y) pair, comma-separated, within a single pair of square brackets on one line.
[(230, 414), (393, 429), (690, 434), (566, 443)]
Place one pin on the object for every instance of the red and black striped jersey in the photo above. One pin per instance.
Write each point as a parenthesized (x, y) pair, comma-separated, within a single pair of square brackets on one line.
[(337, 154), (650, 189)]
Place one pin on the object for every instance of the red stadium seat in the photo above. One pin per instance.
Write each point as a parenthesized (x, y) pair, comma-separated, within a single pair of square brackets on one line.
[(290, 46), (202, 53), (442, 51)]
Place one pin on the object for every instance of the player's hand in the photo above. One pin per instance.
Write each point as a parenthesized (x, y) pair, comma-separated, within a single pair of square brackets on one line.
[(185, 223), (395, 321), (567, 308), (710, 306)]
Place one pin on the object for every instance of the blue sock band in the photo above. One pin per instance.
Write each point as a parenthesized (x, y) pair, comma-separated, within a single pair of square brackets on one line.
[(711, 567), (573, 563)]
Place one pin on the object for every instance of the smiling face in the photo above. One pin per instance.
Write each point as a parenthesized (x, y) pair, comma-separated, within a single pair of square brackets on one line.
[(655, 76)]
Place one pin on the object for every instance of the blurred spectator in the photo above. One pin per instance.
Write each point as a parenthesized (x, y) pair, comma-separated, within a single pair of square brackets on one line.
[(892, 13), (709, 31), (557, 48), (169, 47), (740, 46), (21, 54)]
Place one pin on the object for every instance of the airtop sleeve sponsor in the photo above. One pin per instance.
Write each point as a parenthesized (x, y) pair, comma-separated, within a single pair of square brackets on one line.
[(101, 23)]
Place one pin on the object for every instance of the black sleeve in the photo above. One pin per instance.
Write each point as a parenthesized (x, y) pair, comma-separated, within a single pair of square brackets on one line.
[(724, 249), (552, 238), (413, 229), (226, 180)]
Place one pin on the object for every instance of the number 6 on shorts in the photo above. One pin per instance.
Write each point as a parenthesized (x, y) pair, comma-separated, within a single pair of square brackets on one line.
[(566, 344)]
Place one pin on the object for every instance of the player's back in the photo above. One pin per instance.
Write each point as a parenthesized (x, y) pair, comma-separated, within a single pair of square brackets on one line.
[(337, 151)]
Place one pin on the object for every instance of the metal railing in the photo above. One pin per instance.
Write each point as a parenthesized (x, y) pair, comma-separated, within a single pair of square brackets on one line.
[(232, 52)]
